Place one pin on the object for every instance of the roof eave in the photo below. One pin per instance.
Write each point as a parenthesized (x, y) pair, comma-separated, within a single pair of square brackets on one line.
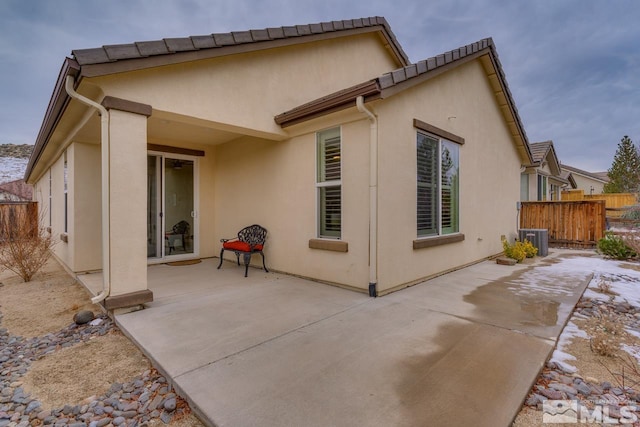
[(511, 102), (387, 85), (57, 104), (331, 103)]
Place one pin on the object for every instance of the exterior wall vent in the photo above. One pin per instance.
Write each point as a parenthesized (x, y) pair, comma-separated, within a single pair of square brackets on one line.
[(538, 236)]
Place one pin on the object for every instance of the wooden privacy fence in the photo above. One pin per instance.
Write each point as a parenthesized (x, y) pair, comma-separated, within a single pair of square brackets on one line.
[(615, 202), (575, 224), (17, 218)]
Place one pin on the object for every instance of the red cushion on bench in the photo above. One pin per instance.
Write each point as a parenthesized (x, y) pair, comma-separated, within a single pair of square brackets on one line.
[(237, 245)]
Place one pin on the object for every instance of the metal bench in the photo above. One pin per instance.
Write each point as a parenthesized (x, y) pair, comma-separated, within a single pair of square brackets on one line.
[(250, 241)]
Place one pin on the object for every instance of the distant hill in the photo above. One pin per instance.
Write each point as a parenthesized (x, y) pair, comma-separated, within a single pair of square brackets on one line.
[(16, 151)]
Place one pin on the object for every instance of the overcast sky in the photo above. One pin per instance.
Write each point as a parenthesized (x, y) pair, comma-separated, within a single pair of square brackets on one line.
[(573, 66)]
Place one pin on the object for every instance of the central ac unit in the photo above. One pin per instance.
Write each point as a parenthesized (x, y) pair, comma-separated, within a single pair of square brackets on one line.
[(539, 237)]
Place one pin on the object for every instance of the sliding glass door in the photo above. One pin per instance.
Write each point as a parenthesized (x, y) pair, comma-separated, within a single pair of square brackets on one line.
[(171, 206)]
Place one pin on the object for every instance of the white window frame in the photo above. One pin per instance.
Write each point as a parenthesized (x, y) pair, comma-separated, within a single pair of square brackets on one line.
[(323, 184)]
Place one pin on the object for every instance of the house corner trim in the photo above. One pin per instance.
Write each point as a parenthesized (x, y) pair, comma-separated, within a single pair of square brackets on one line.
[(113, 103)]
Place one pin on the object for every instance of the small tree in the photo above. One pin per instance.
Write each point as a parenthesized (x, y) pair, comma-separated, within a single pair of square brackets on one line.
[(24, 246), (624, 174)]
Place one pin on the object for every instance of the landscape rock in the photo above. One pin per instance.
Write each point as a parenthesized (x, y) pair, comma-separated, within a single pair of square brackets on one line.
[(557, 384), (82, 317), (138, 406), (505, 261)]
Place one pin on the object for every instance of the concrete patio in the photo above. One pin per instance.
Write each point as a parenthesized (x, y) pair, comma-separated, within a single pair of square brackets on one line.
[(274, 350)]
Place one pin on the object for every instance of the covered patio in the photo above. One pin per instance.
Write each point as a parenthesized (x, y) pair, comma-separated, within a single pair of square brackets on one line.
[(273, 349)]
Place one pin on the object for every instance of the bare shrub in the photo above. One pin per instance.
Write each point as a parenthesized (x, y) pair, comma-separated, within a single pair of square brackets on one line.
[(607, 331), (604, 287), (629, 375), (24, 246), (632, 240), (604, 345)]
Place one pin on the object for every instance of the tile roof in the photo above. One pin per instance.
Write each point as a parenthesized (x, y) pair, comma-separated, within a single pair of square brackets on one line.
[(373, 89), (144, 49), (600, 176), (389, 83), (539, 150), (138, 55), (421, 67)]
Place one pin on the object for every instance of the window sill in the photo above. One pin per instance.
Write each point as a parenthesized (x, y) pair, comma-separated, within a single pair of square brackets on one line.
[(430, 242), (329, 245), (64, 237)]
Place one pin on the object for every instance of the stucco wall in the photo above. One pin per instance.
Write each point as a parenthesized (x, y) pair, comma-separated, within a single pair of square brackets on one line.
[(61, 249), (85, 235), (273, 184), (248, 90), (462, 103), (82, 250), (585, 183)]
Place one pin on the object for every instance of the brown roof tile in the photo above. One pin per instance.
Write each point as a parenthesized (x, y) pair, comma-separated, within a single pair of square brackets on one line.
[(180, 44), (276, 33), (203, 42), (224, 39), (157, 47), (122, 51), (143, 49), (539, 150)]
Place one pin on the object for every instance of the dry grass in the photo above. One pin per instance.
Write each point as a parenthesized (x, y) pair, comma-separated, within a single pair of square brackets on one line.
[(83, 370), (73, 374), (613, 366), (44, 305)]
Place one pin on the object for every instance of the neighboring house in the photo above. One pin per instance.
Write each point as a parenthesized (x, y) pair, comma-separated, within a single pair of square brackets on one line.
[(369, 172), (15, 191), (543, 178), (589, 182)]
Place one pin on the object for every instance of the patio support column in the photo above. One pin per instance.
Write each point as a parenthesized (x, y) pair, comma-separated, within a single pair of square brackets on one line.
[(127, 203)]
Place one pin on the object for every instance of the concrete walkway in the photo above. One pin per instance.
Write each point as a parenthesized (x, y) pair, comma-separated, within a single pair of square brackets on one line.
[(273, 350)]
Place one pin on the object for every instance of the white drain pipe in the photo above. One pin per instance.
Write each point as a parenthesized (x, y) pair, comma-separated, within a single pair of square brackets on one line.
[(104, 143), (373, 197)]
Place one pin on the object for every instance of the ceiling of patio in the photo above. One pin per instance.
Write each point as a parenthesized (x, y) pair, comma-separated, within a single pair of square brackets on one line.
[(161, 128)]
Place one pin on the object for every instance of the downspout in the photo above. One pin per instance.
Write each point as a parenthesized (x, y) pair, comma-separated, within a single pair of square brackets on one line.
[(104, 143), (373, 197)]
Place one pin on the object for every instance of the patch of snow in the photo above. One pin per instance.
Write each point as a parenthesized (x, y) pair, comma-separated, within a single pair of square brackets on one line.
[(633, 332), (12, 168), (632, 350), (622, 277), (560, 357)]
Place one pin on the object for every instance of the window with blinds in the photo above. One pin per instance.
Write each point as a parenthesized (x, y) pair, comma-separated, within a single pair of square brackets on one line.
[(438, 186), (329, 184)]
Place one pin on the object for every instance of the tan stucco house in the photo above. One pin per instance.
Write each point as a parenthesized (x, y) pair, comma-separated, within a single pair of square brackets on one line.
[(589, 182), (369, 172), (544, 179)]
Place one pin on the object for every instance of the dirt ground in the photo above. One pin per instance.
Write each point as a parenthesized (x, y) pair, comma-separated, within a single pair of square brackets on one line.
[(68, 376), (590, 366)]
